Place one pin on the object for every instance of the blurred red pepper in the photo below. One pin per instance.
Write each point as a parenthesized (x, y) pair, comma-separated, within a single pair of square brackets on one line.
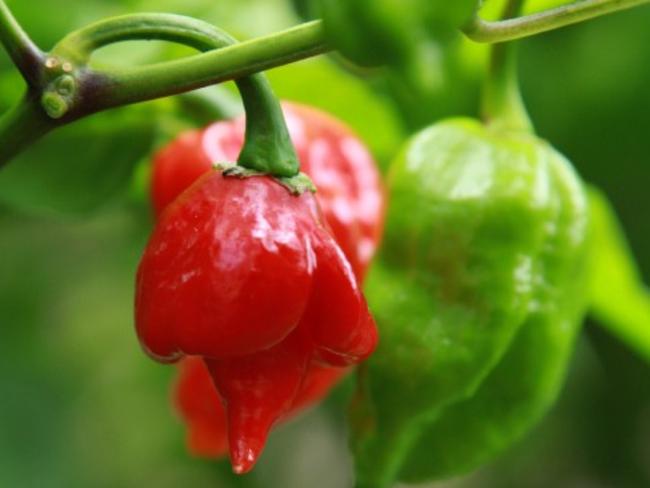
[(352, 199)]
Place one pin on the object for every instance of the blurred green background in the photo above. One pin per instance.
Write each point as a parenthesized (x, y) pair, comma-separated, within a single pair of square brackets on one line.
[(81, 405)]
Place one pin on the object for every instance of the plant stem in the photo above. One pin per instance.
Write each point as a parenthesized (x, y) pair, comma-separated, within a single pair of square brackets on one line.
[(503, 107), (516, 28), (80, 44), (242, 59), (23, 52)]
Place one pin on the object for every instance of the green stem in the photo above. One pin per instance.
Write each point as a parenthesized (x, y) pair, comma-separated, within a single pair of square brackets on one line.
[(267, 148), (26, 56), (79, 45), (172, 77), (516, 28), (20, 126), (503, 107)]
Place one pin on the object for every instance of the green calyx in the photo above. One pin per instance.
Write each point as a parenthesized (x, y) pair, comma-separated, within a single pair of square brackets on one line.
[(296, 185), (478, 294)]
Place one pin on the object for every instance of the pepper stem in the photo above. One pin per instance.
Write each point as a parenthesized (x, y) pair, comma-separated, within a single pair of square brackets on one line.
[(503, 106), (267, 148)]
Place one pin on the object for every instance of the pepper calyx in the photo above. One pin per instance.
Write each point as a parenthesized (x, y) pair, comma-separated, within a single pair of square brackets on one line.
[(296, 185)]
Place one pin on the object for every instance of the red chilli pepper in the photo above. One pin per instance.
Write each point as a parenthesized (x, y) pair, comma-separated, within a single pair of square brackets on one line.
[(352, 198), (244, 274)]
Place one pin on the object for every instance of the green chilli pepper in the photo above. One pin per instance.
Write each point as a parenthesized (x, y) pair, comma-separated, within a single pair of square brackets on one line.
[(478, 294), (527, 380)]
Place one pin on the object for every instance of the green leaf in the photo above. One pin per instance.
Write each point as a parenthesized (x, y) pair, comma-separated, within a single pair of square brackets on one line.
[(619, 300), (77, 168)]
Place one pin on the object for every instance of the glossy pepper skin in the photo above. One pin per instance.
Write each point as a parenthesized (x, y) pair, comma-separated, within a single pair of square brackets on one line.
[(245, 275), (349, 186), (351, 196), (478, 293)]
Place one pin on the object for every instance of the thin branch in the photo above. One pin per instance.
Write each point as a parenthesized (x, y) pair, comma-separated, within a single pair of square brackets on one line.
[(502, 102), (480, 30), (173, 77), (24, 53)]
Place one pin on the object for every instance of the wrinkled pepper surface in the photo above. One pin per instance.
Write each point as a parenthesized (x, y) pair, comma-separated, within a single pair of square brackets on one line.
[(351, 197), (478, 292)]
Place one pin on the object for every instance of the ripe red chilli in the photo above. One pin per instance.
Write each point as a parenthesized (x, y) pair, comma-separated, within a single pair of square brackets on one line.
[(246, 275), (352, 199)]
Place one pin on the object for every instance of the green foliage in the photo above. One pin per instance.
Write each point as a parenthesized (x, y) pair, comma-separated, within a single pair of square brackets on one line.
[(79, 167), (426, 70), (352, 99), (373, 32), (619, 299)]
